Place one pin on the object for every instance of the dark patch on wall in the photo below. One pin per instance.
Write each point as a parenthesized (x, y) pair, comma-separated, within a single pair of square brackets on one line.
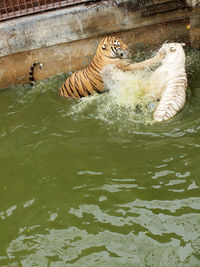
[(164, 7), (151, 8), (131, 6)]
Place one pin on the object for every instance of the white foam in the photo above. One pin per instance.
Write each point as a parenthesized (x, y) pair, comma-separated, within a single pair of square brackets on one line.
[(125, 104)]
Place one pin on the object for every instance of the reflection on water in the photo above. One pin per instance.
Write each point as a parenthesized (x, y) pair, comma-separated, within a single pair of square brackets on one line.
[(79, 248), (95, 183), (154, 238)]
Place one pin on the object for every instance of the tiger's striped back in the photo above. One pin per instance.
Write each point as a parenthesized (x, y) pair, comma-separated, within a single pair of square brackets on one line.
[(83, 83)]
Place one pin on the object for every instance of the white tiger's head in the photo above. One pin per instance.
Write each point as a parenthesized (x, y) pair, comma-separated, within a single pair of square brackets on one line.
[(174, 52)]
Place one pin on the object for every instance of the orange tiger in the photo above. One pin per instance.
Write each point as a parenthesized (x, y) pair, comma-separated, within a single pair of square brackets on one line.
[(88, 81)]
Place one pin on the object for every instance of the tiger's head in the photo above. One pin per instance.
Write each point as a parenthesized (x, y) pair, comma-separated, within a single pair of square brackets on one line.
[(113, 47)]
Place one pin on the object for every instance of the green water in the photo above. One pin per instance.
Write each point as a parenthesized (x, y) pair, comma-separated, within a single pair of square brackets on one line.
[(87, 183)]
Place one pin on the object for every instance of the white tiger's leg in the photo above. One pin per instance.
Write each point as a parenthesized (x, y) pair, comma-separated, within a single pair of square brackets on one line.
[(172, 100)]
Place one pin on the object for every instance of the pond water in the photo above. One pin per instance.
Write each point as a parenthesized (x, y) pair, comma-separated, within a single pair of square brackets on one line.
[(90, 183)]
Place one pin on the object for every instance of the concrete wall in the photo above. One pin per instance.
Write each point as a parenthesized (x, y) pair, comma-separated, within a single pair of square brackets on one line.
[(66, 39)]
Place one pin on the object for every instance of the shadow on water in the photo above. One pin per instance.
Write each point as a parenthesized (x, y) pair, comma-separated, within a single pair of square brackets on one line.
[(95, 183)]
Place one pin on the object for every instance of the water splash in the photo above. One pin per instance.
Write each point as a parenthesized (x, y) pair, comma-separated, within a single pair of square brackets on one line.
[(125, 102)]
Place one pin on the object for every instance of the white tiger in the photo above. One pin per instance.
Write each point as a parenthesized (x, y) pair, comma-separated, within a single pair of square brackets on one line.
[(169, 82)]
